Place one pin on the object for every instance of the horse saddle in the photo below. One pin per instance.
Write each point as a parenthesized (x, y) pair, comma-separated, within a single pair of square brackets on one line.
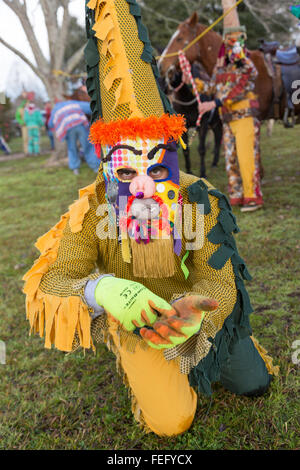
[(289, 62), (269, 47), (287, 56)]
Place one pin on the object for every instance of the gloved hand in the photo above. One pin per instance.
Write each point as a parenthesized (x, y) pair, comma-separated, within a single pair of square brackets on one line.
[(129, 303), (184, 321)]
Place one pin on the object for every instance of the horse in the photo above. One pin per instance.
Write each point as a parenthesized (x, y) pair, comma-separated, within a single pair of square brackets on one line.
[(184, 102), (206, 50)]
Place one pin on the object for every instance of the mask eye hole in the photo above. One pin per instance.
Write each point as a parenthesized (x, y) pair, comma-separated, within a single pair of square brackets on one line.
[(126, 174), (158, 172)]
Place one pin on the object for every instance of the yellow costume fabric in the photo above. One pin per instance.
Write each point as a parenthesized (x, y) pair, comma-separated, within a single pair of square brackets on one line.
[(234, 87), (25, 139), (72, 253), (244, 134), (163, 400)]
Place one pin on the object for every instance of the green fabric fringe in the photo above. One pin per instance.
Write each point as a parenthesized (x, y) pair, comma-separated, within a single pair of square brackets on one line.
[(92, 58), (135, 10), (147, 55), (237, 325)]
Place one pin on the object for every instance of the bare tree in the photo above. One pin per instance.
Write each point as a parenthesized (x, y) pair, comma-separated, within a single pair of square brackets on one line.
[(42, 66), (269, 18), (57, 40)]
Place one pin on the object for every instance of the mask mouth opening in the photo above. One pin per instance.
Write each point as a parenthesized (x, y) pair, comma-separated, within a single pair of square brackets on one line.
[(145, 209), (146, 220)]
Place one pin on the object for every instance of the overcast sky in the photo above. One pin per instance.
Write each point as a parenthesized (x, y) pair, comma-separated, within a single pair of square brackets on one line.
[(12, 32)]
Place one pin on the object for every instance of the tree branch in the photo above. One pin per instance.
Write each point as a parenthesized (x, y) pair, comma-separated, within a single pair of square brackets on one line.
[(74, 59), (62, 36), (21, 11), (157, 14), (22, 56), (50, 19), (258, 18)]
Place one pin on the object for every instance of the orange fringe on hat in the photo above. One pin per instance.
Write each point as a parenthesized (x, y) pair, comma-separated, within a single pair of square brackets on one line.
[(167, 126)]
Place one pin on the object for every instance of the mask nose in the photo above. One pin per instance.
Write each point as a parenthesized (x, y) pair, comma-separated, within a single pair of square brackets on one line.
[(142, 187)]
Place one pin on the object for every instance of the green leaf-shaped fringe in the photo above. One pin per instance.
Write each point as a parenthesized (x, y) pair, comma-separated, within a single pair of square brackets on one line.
[(236, 325), (135, 10), (147, 55), (92, 59), (198, 193), (165, 100), (220, 257)]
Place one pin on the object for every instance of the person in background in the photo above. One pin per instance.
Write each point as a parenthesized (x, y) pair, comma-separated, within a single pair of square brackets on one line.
[(34, 121), (20, 119), (233, 85), (48, 109), (3, 145), (69, 122)]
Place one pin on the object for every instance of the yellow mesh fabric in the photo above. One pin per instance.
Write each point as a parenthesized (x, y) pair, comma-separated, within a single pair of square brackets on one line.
[(79, 253), (206, 281), (128, 86), (55, 314), (144, 83)]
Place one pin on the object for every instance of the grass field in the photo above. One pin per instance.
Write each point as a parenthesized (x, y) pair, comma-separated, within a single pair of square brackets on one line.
[(52, 400)]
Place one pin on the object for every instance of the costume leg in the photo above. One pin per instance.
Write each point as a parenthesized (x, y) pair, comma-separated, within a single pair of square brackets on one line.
[(25, 139), (164, 397), (232, 167), (74, 160), (51, 138), (258, 175), (246, 133), (30, 149), (36, 141), (245, 373)]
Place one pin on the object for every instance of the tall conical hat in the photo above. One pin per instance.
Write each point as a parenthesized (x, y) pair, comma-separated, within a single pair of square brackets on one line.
[(231, 21), (126, 99)]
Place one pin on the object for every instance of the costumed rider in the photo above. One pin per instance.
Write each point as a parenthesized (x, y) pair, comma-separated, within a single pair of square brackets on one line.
[(232, 84), (174, 313), (34, 121)]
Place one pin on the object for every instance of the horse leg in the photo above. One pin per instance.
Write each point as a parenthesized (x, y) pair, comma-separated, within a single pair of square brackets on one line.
[(202, 132), (186, 153), (218, 133)]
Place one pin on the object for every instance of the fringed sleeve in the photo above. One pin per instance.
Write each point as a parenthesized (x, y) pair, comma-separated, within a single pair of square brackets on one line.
[(213, 271), (54, 286), (217, 272)]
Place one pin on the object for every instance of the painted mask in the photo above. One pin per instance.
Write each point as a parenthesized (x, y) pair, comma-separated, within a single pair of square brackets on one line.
[(235, 48), (141, 173), (142, 184)]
